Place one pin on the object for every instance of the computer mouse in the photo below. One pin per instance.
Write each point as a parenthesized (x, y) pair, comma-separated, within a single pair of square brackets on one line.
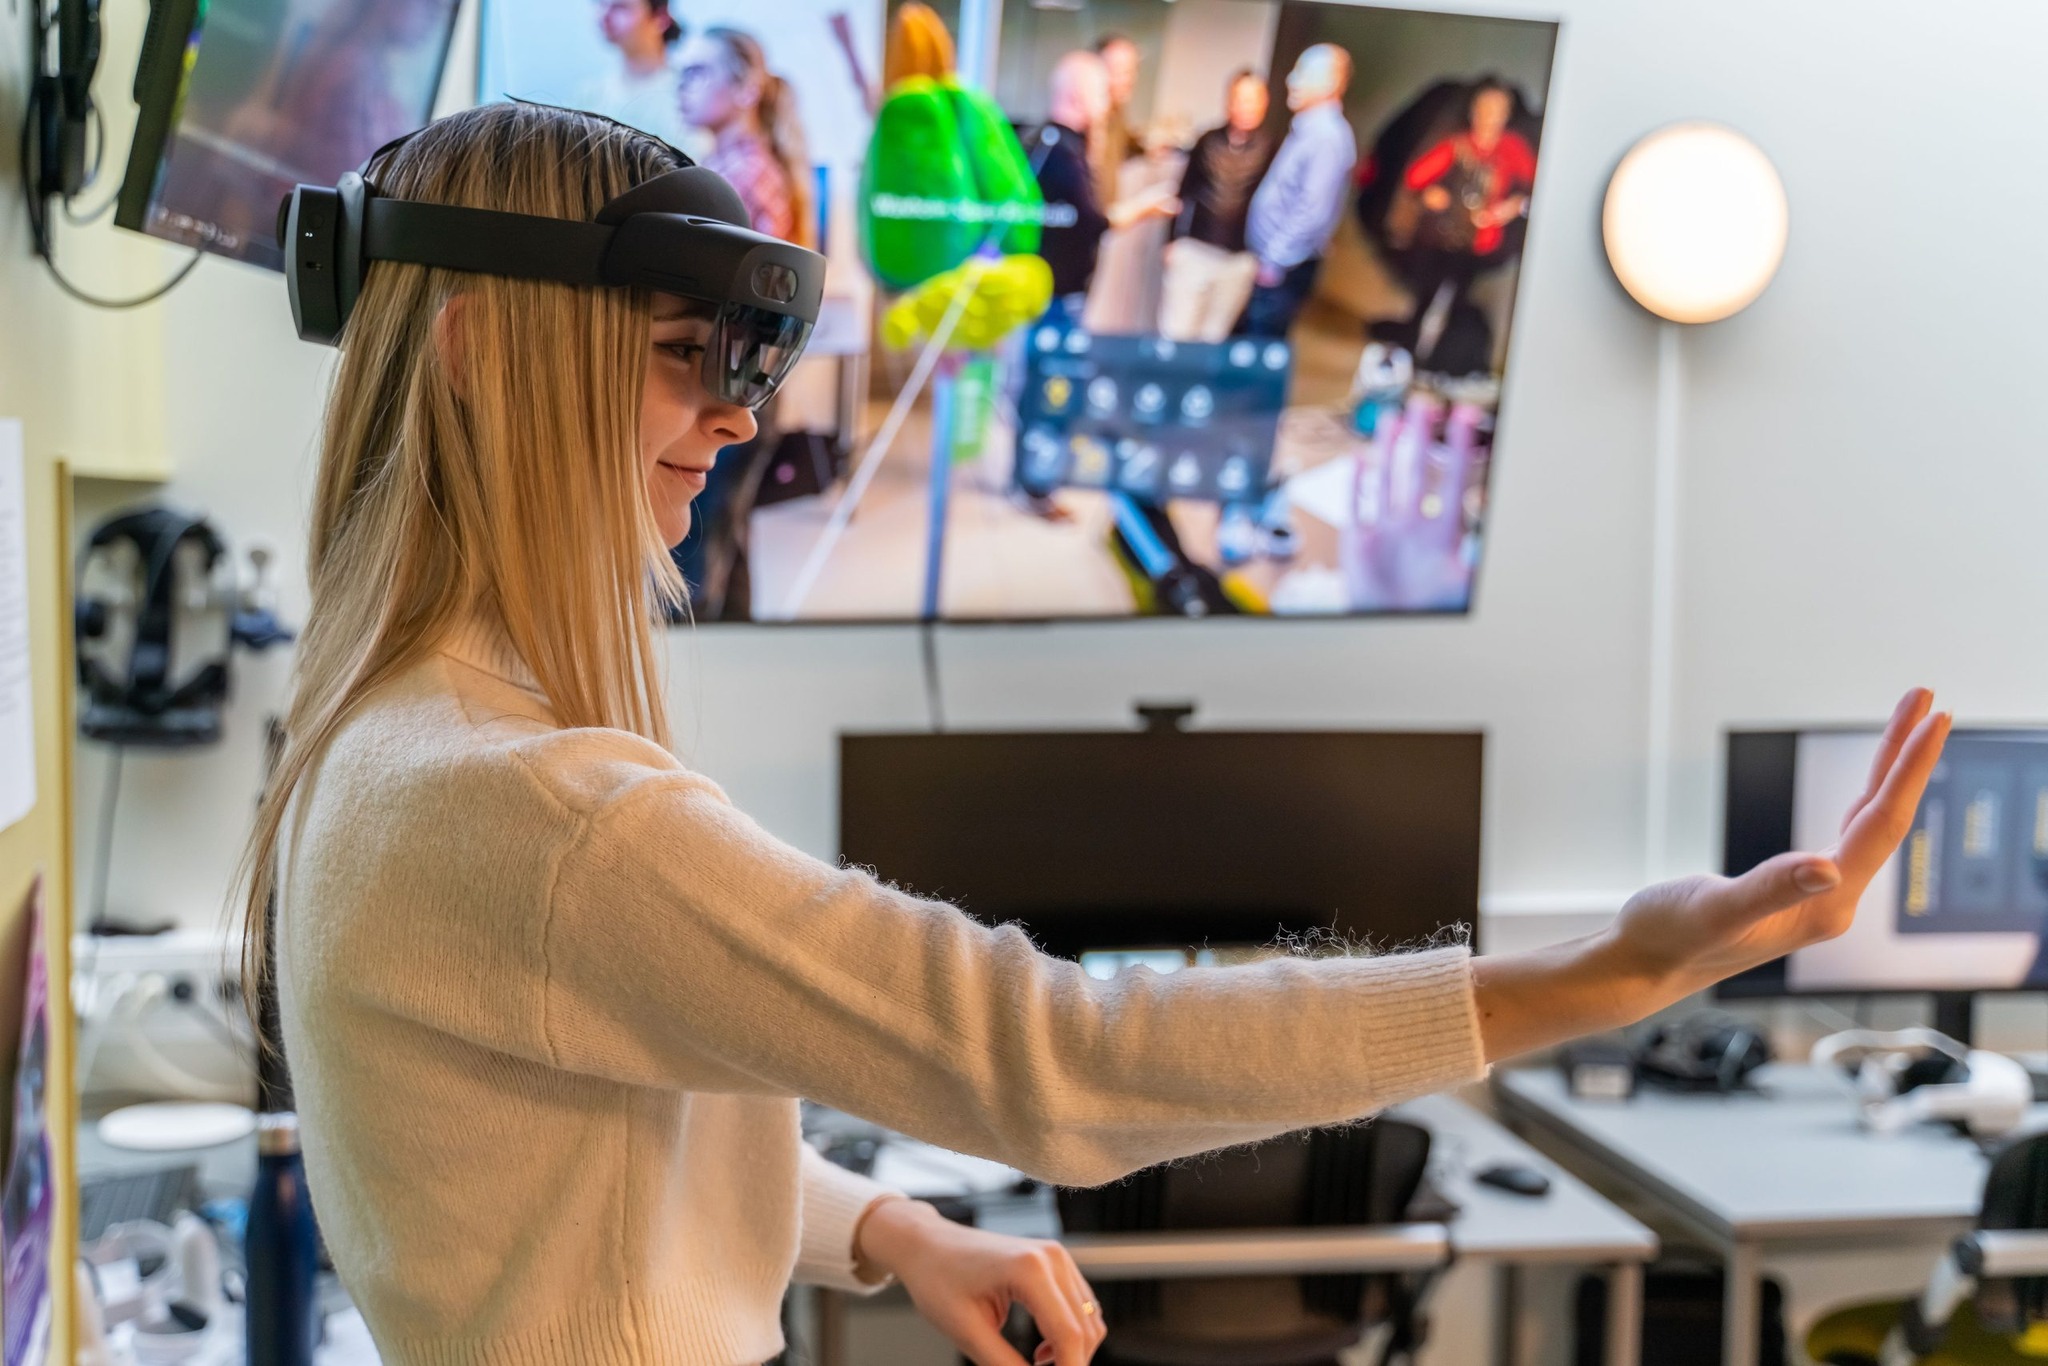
[(1515, 1179)]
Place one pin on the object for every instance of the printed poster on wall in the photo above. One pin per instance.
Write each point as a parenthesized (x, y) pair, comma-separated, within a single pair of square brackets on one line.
[(17, 712), (27, 1201)]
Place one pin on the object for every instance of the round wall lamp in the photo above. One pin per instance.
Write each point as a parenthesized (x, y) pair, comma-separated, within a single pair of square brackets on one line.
[(1695, 222)]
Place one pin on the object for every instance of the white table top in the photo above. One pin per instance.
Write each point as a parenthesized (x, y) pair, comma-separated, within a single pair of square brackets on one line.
[(1569, 1223), (1787, 1161)]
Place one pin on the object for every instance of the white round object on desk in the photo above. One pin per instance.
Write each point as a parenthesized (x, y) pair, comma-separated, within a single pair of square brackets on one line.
[(173, 1125)]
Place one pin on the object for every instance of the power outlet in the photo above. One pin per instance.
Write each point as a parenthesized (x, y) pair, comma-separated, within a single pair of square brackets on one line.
[(160, 1017)]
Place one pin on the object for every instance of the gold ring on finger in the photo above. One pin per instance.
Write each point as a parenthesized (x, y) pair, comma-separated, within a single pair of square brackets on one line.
[(1087, 1308)]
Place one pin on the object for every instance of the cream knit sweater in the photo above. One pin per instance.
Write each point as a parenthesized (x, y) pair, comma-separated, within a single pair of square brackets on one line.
[(549, 999)]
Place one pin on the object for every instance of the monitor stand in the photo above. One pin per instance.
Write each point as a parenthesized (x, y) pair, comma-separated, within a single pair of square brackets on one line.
[(1955, 1014)]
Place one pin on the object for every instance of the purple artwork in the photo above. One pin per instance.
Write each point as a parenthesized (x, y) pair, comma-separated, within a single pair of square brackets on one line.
[(25, 1209)]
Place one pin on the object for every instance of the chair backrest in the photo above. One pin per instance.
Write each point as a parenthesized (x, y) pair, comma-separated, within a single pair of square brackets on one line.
[(2015, 1197), (1358, 1174)]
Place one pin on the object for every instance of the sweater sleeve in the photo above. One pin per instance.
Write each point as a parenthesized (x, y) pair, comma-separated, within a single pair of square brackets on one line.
[(685, 946), (834, 1199)]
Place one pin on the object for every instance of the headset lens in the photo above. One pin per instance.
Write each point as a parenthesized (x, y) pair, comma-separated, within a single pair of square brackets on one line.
[(752, 352)]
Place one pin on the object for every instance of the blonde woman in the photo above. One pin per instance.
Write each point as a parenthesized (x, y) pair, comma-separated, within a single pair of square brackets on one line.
[(549, 1000)]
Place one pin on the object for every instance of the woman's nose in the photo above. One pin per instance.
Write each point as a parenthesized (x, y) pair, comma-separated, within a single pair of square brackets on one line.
[(730, 423)]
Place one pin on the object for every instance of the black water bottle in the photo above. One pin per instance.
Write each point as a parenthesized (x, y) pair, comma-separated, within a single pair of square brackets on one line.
[(282, 1249)]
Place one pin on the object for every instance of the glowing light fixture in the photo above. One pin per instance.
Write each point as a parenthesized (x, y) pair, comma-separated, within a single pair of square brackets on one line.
[(1695, 222)]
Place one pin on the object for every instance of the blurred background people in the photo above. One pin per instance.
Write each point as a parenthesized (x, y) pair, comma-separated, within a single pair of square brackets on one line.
[(725, 89), (1295, 210), (1467, 189), (1135, 175), (640, 88), (1209, 272), (1115, 140), (1077, 103)]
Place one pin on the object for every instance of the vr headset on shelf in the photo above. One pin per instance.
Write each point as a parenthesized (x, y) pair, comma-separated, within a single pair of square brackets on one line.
[(685, 233)]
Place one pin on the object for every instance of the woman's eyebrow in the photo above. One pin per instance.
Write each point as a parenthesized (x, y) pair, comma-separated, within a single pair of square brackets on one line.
[(669, 309)]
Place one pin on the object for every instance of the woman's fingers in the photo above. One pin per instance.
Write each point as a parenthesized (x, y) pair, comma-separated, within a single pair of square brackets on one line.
[(982, 1343), (1912, 707), (1081, 1295), (1876, 829), (1059, 1318)]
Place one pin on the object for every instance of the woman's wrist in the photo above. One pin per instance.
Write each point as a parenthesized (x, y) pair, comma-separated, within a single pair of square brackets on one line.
[(1542, 997), (885, 1232)]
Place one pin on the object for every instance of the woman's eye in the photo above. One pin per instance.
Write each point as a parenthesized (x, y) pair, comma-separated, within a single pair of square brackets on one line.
[(685, 350)]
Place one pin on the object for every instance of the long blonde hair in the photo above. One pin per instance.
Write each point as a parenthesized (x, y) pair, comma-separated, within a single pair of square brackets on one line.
[(482, 467)]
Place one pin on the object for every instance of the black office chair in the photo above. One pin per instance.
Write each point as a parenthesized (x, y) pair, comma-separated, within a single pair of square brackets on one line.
[(1359, 1175), (1986, 1303)]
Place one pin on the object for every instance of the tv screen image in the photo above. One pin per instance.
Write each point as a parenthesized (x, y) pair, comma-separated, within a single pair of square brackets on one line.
[(1281, 244), (244, 99)]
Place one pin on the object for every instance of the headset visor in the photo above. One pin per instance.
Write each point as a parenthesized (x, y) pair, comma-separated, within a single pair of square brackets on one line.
[(751, 352)]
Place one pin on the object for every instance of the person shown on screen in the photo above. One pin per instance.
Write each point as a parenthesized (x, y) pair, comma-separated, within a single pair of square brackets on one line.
[(1114, 141), (1209, 271), (1468, 188), (640, 88), (1295, 211), (550, 999), (725, 88), (1076, 216)]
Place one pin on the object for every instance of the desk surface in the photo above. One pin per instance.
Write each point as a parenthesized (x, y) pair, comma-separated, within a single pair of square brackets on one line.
[(1570, 1223), (1787, 1161)]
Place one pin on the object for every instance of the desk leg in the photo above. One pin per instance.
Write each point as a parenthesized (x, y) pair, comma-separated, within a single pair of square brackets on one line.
[(1625, 1314), (830, 1348), (1741, 1306), (1507, 1315)]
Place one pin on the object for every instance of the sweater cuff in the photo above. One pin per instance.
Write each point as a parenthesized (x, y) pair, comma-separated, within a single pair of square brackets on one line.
[(834, 1199), (1423, 1023)]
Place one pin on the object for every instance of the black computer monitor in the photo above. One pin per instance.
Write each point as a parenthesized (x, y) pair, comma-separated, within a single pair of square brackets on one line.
[(1959, 909), (1168, 839)]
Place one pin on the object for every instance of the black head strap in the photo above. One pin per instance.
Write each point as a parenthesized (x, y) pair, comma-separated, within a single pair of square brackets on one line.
[(486, 242)]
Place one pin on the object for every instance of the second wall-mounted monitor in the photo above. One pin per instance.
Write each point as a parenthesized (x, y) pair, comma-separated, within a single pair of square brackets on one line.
[(240, 100), (1284, 242)]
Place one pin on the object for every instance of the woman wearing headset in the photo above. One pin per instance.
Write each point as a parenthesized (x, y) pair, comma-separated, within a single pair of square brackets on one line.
[(549, 1000)]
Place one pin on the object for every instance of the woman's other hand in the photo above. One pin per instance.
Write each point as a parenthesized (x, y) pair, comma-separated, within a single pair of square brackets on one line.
[(1680, 937), (964, 1280)]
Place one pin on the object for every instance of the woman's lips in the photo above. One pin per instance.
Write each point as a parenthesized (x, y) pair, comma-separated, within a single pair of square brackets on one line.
[(695, 478)]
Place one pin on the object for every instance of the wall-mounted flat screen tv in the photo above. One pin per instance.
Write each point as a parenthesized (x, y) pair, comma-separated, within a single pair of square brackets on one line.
[(1281, 247)]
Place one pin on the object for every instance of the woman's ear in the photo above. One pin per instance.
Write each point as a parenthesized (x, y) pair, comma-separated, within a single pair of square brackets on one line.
[(450, 343)]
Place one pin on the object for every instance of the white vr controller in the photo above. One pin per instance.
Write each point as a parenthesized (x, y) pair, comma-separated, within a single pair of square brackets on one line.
[(1987, 1093)]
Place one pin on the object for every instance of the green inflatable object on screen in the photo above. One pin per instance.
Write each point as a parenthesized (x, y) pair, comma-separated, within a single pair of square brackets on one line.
[(944, 175)]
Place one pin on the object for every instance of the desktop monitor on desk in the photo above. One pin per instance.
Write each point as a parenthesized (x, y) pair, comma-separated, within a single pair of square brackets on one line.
[(1961, 908), (1173, 840)]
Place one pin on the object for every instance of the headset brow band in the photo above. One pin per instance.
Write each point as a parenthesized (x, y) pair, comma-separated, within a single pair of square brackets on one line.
[(485, 241)]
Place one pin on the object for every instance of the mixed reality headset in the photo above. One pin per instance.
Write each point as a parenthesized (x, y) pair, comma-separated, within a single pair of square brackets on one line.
[(684, 232)]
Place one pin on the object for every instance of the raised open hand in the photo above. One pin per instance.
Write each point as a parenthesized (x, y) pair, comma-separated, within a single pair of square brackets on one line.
[(1702, 929), (1680, 937)]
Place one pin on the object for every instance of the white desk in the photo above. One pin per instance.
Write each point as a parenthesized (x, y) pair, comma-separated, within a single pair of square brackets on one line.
[(1570, 1224), (1785, 1167)]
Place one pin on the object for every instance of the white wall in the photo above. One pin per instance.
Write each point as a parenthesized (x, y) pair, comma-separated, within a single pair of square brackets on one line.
[(1861, 505)]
